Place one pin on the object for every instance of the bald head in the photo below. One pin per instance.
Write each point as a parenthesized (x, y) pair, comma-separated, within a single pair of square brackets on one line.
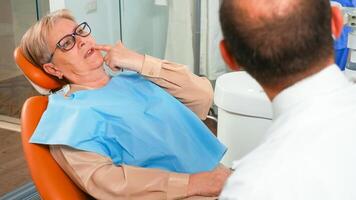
[(275, 40), (258, 10)]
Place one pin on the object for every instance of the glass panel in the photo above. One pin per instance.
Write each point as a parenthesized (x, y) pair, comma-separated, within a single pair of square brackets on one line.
[(183, 31), (144, 26), (15, 18), (162, 28), (42, 7), (102, 17)]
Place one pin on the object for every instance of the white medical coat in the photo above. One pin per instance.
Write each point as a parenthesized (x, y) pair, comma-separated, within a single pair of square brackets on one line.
[(309, 152)]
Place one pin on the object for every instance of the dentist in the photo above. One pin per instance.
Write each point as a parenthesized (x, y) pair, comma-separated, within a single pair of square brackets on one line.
[(309, 152)]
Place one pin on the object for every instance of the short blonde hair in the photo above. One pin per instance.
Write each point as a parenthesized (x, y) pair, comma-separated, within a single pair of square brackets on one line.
[(34, 43)]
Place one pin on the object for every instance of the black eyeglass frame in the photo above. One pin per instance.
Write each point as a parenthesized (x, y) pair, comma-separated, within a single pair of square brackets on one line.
[(72, 35)]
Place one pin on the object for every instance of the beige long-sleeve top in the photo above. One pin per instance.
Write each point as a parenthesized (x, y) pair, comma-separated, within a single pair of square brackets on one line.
[(98, 176)]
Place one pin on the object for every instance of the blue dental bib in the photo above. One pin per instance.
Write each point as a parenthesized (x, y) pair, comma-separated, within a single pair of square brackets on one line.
[(134, 122)]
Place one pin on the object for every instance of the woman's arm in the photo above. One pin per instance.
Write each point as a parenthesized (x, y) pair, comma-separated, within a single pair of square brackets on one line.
[(99, 177), (194, 91)]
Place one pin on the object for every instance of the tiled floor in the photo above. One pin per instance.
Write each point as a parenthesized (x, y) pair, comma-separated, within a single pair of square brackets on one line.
[(13, 168)]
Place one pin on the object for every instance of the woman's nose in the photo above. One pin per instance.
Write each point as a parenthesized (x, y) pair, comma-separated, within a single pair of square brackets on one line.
[(80, 42)]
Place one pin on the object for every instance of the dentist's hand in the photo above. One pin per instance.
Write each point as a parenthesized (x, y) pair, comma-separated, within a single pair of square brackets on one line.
[(119, 56), (208, 183)]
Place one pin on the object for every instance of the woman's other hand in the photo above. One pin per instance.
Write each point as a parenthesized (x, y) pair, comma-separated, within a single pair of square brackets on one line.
[(119, 56), (208, 183)]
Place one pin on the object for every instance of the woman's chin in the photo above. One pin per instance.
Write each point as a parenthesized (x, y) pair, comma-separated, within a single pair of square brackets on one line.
[(96, 62)]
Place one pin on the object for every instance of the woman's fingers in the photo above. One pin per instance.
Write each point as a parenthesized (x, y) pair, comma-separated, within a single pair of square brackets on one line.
[(107, 49), (103, 47), (118, 56), (109, 62)]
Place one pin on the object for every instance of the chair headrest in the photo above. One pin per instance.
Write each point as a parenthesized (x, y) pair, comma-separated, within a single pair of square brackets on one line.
[(42, 81)]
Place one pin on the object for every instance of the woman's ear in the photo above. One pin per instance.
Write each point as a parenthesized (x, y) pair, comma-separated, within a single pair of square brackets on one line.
[(50, 68), (336, 21), (228, 58)]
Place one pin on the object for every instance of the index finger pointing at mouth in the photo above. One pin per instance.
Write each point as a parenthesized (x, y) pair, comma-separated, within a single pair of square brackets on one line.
[(102, 47)]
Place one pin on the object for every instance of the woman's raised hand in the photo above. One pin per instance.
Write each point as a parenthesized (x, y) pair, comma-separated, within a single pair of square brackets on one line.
[(119, 56)]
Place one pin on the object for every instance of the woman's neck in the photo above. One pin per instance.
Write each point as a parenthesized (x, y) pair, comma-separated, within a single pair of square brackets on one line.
[(88, 86), (92, 82), (97, 83)]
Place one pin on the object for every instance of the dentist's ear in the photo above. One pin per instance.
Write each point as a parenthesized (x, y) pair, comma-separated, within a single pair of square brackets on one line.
[(53, 70), (228, 58), (336, 21)]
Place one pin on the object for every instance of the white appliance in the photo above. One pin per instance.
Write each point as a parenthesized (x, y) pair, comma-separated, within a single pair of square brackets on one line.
[(244, 114)]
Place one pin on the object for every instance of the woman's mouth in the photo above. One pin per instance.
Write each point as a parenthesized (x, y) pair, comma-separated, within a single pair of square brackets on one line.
[(89, 52)]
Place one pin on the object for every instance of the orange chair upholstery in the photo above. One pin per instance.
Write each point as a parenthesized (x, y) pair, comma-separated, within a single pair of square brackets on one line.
[(50, 180)]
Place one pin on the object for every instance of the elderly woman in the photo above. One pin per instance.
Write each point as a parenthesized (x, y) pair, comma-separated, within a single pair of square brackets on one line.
[(123, 137)]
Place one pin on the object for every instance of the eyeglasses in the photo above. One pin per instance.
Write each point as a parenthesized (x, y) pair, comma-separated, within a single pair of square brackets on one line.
[(68, 41)]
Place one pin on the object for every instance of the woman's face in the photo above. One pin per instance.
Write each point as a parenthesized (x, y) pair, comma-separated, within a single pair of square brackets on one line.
[(79, 65)]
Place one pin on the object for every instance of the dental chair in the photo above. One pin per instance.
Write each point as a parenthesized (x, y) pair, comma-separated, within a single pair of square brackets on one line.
[(50, 180)]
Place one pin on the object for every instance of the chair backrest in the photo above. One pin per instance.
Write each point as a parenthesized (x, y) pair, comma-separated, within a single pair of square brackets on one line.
[(50, 180), (41, 81)]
